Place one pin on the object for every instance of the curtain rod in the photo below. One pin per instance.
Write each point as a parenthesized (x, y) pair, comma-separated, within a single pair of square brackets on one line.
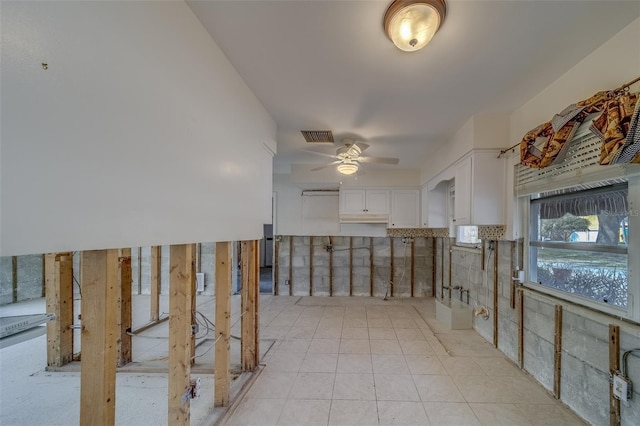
[(623, 87)]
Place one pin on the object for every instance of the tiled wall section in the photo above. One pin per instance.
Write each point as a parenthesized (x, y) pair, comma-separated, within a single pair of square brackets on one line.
[(351, 266), (585, 347)]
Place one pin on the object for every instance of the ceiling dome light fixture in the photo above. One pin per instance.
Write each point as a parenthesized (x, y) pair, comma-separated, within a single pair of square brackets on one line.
[(411, 24), (348, 167)]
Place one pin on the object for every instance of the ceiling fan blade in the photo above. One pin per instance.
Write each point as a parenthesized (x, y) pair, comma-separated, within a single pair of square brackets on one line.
[(320, 153), (326, 165), (361, 145), (379, 160)]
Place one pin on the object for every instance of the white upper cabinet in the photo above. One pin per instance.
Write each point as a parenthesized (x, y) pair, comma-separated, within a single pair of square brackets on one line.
[(364, 205), (479, 192), (479, 183), (463, 185), (405, 208)]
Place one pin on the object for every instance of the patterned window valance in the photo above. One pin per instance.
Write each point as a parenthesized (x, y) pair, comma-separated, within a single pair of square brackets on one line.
[(617, 125), (611, 201)]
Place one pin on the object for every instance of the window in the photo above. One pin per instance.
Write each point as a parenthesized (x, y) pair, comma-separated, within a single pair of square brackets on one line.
[(468, 235), (578, 244)]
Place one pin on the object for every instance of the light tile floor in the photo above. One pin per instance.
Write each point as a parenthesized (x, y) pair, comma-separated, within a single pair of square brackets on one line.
[(363, 361)]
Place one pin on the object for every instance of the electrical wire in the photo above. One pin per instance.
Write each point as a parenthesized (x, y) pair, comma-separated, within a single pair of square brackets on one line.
[(624, 360)]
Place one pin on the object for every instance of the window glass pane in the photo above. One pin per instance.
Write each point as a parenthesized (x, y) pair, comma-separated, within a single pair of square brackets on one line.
[(594, 275), (468, 235), (578, 244)]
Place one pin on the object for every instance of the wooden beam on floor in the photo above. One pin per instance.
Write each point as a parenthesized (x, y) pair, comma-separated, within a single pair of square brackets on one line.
[(311, 265), (99, 337), (124, 308), (521, 328), (247, 301), (391, 276), (181, 294), (156, 268), (58, 272), (614, 367), (495, 295), (557, 351), (222, 361), (434, 266), (291, 265), (255, 250), (350, 266), (371, 266), (413, 264)]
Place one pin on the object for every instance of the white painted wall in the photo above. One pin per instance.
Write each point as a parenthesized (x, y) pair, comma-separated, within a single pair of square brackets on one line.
[(450, 152), (139, 133)]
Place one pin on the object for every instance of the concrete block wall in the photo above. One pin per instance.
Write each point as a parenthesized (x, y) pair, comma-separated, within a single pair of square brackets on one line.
[(28, 276), (351, 269), (585, 340)]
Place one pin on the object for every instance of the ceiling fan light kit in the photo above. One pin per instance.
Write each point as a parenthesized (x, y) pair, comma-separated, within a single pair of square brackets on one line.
[(411, 24), (347, 168)]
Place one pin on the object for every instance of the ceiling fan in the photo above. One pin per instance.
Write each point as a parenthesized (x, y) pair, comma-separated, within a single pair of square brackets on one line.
[(349, 158)]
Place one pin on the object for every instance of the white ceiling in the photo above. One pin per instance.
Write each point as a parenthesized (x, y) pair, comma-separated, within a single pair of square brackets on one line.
[(319, 65)]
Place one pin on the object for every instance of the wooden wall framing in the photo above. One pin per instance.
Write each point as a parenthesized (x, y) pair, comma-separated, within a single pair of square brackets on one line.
[(222, 361), (614, 367), (156, 271), (250, 273), (99, 337), (58, 273), (181, 296), (557, 353), (125, 282)]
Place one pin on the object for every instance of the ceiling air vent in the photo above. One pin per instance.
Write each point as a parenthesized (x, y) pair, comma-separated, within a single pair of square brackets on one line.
[(317, 136)]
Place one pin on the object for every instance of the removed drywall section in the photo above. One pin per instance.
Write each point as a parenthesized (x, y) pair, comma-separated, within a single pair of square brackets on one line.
[(21, 278), (342, 266)]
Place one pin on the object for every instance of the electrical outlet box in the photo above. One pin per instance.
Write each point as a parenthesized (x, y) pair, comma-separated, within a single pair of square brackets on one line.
[(622, 388)]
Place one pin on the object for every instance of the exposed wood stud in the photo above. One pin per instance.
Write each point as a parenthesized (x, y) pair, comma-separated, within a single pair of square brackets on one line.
[(450, 267), (391, 271), (496, 256), (442, 268), (311, 265), (291, 265), (99, 335), (198, 257), (58, 272), (181, 294), (434, 266), (139, 270), (276, 266), (521, 328), (194, 308), (514, 272), (413, 264), (371, 266), (14, 278), (124, 319), (256, 301), (483, 254), (155, 265), (248, 293), (223, 325), (557, 350), (350, 266), (44, 278), (614, 367), (331, 268)]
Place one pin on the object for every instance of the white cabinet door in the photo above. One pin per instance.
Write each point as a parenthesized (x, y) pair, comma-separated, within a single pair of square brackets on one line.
[(463, 183), (377, 201), (352, 201), (424, 211), (405, 208)]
